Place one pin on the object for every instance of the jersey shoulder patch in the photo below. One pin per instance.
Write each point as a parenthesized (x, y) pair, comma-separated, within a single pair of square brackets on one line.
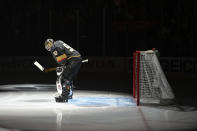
[(68, 47), (55, 53)]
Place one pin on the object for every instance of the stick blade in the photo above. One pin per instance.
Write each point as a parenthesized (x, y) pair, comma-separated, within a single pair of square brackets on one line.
[(39, 66), (83, 61)]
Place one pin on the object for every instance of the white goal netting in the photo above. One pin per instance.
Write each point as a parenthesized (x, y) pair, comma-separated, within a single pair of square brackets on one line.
[(150, 79)]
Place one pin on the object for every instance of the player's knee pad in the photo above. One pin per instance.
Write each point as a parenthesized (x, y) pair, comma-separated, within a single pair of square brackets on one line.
[(65, 81)]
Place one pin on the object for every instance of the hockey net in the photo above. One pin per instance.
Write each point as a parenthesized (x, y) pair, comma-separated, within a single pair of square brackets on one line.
[(150, 85)]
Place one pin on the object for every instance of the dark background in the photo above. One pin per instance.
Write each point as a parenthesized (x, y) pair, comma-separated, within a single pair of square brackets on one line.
[(99, 27)]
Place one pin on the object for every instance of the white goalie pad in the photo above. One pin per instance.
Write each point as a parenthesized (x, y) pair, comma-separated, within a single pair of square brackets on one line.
[(59, 86)]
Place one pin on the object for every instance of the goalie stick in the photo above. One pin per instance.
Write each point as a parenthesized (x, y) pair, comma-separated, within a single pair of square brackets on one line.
[(39, 66)]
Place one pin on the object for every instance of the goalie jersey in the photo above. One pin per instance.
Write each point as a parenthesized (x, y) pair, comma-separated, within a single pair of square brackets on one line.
[(62, 52)]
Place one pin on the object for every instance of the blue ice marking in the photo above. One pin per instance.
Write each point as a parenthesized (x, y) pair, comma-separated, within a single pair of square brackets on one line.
[(103, 101)]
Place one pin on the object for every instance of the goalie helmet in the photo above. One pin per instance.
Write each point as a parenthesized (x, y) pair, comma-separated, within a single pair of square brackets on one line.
[(48, 44)]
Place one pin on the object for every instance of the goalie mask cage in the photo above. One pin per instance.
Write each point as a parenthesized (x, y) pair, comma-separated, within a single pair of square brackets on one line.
[(150, 85)]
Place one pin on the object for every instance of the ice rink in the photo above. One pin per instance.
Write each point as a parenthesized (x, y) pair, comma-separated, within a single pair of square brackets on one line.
[(32, 107)]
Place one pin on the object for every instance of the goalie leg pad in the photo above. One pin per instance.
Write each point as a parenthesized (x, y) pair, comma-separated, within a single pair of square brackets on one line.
[(66, 86)]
